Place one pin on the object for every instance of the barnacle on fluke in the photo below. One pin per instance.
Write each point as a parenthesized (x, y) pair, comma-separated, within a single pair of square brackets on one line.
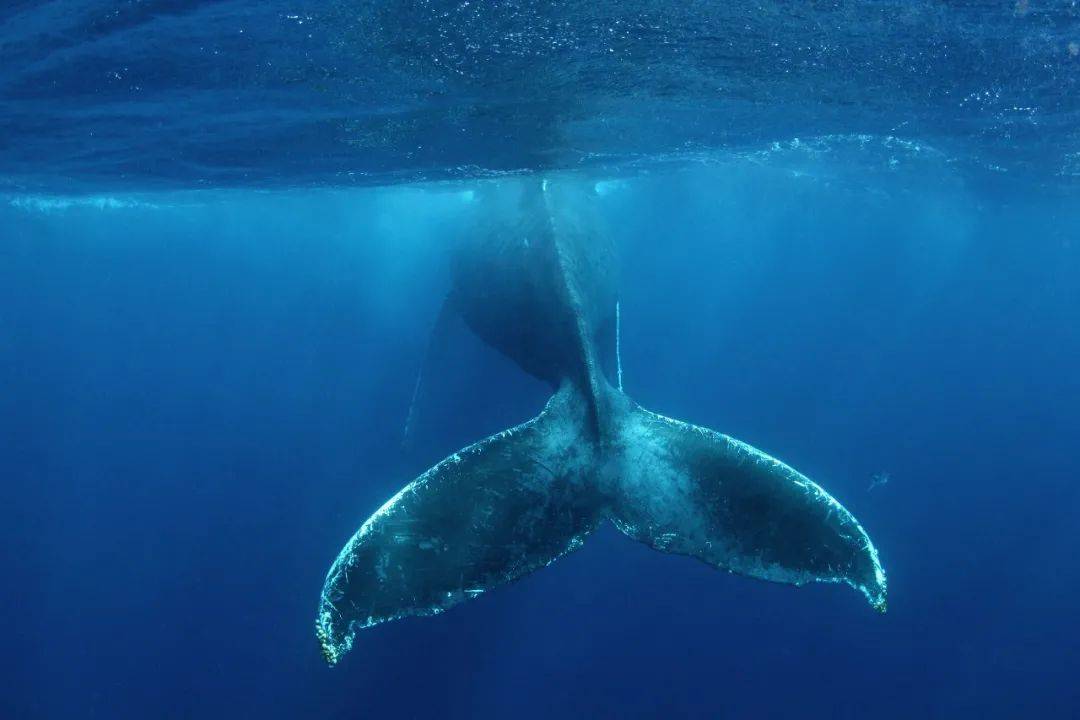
[(539, 284)]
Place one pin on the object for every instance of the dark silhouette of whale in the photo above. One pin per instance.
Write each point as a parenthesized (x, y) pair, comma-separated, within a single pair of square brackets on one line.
[(541, 287)]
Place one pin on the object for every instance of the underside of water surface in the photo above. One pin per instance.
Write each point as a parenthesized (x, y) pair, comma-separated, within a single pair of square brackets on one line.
[(183, 94)]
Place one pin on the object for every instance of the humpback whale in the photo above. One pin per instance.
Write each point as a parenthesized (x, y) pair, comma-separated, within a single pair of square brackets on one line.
[(539, 283)]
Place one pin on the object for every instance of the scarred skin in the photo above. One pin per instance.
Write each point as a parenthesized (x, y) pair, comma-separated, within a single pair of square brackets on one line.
[(539, 283)]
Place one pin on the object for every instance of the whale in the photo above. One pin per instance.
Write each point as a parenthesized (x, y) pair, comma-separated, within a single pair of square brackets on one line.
[(538, 280)]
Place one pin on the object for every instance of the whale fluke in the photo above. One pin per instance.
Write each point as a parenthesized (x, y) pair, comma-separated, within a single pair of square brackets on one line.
[(517, 501), (692, 491), (488, 514)]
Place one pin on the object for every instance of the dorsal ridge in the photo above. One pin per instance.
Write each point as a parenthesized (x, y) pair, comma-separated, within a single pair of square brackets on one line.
[(588, 372)]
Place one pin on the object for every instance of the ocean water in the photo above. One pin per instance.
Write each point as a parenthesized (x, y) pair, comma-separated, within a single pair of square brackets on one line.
[(850, 235)]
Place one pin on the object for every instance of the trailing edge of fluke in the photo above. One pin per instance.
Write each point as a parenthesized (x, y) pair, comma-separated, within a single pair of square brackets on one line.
[(538, 281)]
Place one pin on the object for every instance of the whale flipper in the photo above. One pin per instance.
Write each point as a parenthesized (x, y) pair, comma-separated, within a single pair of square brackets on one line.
[(692, 491), (487, 515)]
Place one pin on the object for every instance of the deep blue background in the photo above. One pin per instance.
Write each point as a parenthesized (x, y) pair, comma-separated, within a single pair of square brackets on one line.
[(203, 395)]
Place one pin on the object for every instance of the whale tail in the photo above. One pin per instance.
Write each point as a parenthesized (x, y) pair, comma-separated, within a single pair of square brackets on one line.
[(518, 500)]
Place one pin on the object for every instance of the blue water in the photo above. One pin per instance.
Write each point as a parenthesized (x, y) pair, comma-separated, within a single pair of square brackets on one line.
[(850, 234)]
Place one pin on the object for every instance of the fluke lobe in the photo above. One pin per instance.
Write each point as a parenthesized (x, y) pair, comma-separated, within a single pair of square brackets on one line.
[(539, 284)]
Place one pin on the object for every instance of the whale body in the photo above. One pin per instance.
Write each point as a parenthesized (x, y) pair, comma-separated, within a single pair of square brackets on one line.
[(539, 283)]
